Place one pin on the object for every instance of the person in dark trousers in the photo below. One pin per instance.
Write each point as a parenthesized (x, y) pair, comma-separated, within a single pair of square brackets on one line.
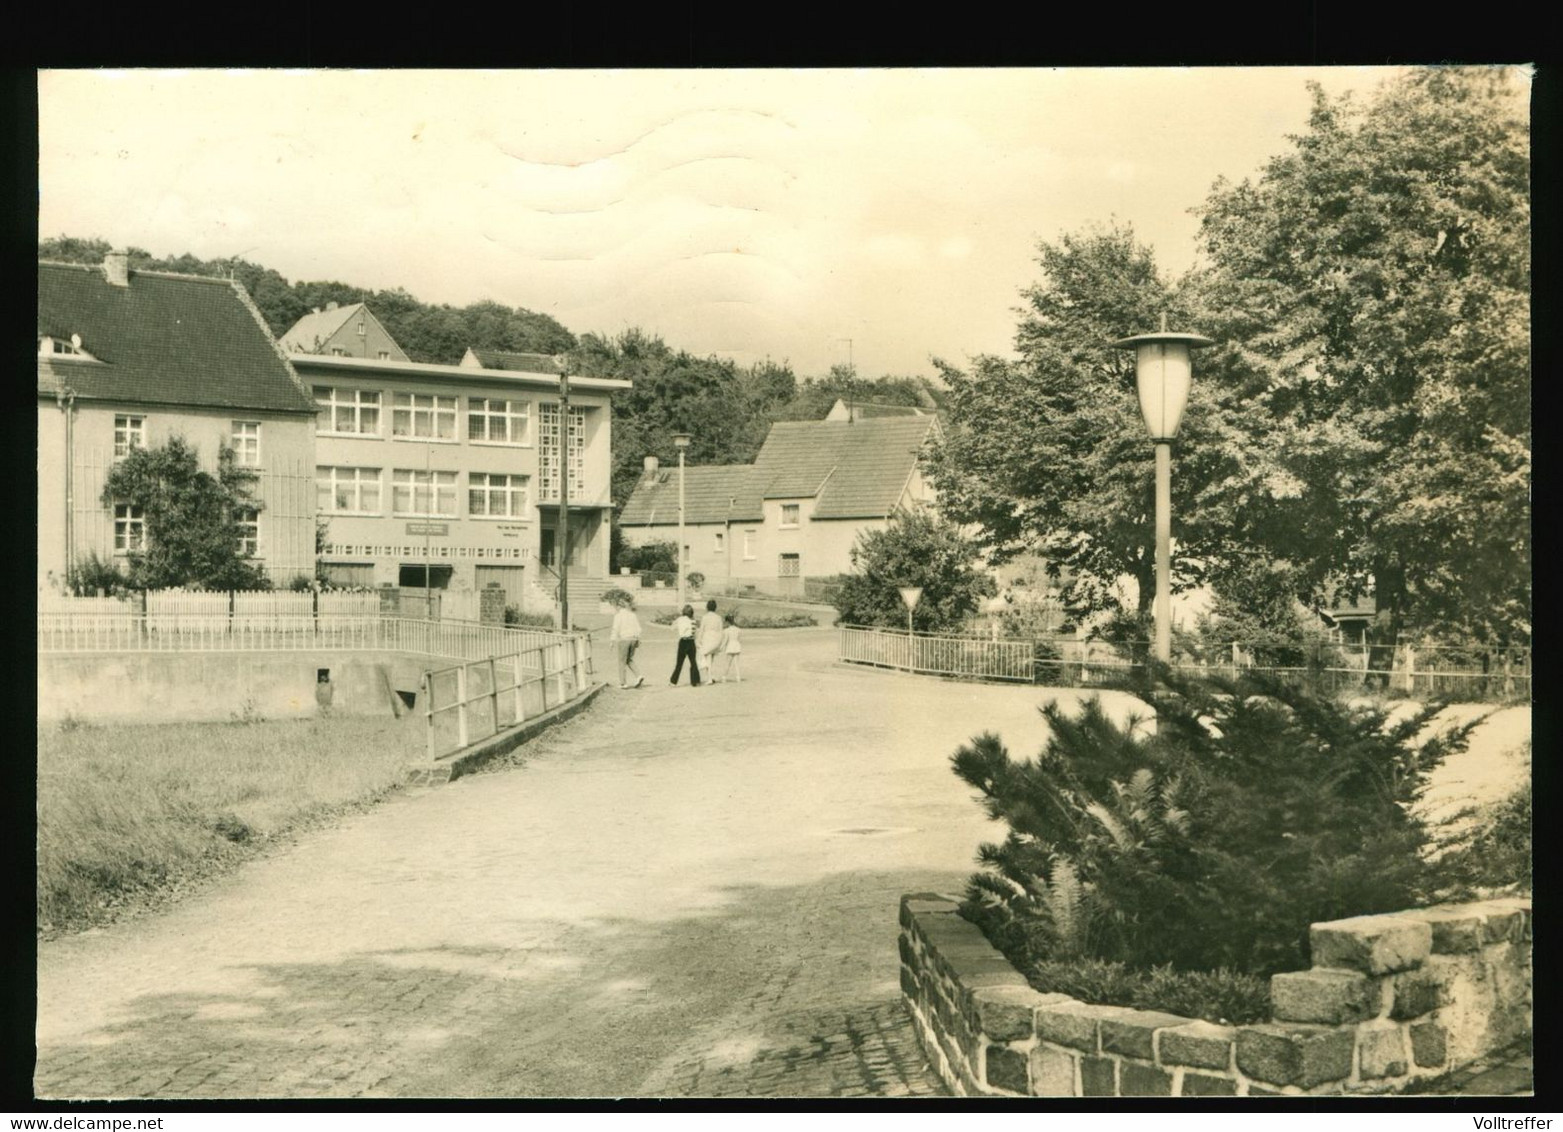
[(684, 630)]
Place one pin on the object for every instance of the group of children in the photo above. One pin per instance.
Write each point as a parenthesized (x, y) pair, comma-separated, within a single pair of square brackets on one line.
[(697, 643)]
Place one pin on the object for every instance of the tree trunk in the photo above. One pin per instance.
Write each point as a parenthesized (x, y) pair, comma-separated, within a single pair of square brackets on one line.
[(1389, 594)]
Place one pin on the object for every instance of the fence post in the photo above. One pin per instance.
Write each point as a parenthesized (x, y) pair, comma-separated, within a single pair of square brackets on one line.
[(580, 665), (559, 676), (1234, 660), (520, 680), (461, 710), (426, 694), (1410, 668), (1508, 673), (493, 691)]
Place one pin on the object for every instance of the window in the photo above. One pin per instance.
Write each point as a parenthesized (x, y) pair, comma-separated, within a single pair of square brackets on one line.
[(246, 443), (130, 528), (361, 326), (129, 432), (491, 421), (348, 412), (789, 516), (423, 416), (548, 451), (495, 496), (347, 491), (717, 539), (384, 355), (749, 544), (338, 352), (249, 531), (423, 493), (787, 566)]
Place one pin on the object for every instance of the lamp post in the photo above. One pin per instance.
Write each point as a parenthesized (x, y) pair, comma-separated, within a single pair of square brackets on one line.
[(681, 442), (1163, 373)]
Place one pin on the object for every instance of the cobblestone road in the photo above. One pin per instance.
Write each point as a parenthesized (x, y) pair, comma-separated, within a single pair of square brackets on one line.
[(684, 893)]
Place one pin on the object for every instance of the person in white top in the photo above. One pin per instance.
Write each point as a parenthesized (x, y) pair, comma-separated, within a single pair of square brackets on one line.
[(684, 630), (708, 638), (731, 648), (625, 633)]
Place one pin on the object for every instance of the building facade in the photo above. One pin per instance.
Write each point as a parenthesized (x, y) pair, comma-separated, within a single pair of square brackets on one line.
[(129, 359), (449, 476), (797, 511), (342, 332)]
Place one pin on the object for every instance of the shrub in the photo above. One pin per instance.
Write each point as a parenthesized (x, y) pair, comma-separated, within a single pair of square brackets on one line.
[(1497, 855), (916, 549), (750, 618), (517, 617), (657, 557), (1228, 997), (1255, 810), (695, 579), (91, 574), (617, 598)]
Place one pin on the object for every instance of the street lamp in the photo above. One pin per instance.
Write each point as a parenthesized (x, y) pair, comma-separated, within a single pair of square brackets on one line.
[(1163, 373), (681, 442)]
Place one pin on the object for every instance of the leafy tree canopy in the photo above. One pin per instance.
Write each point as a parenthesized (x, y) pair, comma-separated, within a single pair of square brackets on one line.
[(918, 548), (1373, 287), (191, 517)]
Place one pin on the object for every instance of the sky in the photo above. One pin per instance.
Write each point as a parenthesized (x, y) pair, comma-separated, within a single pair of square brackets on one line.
[(815, 217)]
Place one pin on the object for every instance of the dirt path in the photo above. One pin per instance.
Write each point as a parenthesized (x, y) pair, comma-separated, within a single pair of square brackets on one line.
[(685, 892)]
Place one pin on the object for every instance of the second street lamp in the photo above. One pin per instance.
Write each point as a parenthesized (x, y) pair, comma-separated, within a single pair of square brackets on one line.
[(1163, 374), (681, 442)]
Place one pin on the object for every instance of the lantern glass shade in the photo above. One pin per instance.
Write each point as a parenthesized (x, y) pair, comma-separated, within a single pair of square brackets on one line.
[(1163, 374), (681, 439)]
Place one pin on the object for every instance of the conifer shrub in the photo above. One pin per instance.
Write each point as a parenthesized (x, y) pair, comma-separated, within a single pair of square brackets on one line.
[(1252, 810)]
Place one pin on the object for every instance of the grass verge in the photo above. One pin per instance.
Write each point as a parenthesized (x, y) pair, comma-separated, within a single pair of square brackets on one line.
[(129, 816)]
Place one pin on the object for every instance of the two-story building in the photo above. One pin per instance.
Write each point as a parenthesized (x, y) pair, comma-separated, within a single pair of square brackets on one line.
[(797, 511), (128, 359), (342, 332), (448, 476)]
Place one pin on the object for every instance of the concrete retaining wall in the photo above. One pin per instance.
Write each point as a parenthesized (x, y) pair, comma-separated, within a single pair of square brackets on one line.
[(208, 686), (1390, 999)]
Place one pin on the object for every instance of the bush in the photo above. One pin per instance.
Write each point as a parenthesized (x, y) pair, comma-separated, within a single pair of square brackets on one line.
[(750, 618), (617, 598), (695, 579), (1255, 810), (1226, 997), (1496, 856), (92, 574), (654, 557), (516, 617), (916, 549)]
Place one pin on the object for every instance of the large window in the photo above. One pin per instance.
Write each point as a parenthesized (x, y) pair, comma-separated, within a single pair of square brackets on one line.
[(347, 491), (789, 514), (249, 531), (495, 496), (548, 451), (497, 421), (349, 412), (423, 416), (129, 432), (130, 528), (749, 543), (423, 493), (246, 443)]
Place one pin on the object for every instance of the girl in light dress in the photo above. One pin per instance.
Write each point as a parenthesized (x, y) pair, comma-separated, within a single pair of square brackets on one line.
[(731, 648)]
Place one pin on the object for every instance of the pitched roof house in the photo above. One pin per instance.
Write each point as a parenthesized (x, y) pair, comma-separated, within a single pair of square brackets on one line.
[(127, 359), (476, 358), (344, 332), (795, 512)]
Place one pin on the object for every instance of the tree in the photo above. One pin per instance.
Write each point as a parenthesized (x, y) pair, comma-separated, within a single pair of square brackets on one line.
[(1375, 280), (1049, 454), (917, 549), (191, 518)]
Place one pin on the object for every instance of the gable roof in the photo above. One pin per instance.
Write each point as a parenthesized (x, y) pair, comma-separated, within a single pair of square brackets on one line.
[(163, 339), (713, 493), (310, 334), (868, 410), (509, 359), (854, 470)]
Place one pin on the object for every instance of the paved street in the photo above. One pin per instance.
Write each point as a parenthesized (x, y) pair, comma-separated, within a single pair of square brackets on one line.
[(683, 893)]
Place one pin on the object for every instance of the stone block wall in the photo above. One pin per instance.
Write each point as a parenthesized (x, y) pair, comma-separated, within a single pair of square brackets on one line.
[(1389, 999)]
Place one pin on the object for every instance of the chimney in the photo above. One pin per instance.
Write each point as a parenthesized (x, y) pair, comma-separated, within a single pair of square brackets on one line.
[(331, 306), (116, 268), (651, 465)]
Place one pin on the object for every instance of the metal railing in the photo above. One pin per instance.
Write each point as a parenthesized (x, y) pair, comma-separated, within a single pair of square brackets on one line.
[(125, 631), (936, 655), (469, 702), (1453, 671)]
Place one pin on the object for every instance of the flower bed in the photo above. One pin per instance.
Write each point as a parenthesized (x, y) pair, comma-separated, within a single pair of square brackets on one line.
[(1389, 1000)]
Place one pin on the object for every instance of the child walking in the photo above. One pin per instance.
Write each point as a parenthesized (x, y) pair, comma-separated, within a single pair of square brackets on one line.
[(731, 648), (684, 630)]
